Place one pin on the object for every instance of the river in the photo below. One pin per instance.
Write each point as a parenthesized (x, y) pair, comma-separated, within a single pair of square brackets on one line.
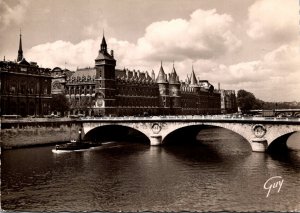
[(219, 172)]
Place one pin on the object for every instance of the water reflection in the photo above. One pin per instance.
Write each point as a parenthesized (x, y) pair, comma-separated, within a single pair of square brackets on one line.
[(216, 172)]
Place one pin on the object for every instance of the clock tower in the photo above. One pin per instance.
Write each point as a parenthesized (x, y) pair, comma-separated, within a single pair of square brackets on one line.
[(105, 100)]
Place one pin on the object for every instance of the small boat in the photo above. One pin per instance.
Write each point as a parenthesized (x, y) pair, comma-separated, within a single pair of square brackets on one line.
[(74, 146)]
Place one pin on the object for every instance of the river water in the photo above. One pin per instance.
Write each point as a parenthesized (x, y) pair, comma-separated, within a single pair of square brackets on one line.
[(219, 172)]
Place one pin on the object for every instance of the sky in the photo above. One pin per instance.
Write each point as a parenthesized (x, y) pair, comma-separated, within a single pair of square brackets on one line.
[(249, 44)]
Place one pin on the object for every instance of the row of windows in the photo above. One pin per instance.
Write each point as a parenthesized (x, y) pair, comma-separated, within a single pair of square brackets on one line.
[(81, 90), (22, 90), (81, 79), (137, 102), (137, 91)]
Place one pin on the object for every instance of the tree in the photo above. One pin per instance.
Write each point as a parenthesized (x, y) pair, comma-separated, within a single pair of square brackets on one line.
[(246, 101), (60, 103)]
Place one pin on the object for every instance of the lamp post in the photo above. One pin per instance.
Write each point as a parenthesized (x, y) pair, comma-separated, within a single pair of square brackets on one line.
[(79, 132)]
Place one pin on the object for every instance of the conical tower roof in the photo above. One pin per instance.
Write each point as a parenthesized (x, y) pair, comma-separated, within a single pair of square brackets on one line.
[(161, 78), (193, 78), (173, 76)]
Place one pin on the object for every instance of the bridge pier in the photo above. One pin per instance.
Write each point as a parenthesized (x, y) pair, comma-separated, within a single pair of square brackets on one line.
[(155, 140), (259, 145)]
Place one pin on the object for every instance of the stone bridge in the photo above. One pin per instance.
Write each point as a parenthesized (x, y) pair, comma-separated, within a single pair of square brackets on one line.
[(259, 132)]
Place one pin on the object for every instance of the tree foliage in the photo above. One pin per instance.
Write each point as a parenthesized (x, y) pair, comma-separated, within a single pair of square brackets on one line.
[(247, 101), (60, 103)]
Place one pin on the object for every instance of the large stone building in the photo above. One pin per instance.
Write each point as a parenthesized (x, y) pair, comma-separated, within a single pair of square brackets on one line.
[(25, 87), (105, 90)]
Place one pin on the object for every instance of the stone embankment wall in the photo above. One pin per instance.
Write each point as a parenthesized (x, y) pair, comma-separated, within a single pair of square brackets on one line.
[(24, 132)]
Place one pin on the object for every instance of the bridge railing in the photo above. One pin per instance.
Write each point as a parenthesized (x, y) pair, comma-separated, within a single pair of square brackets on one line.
[(192, 117)]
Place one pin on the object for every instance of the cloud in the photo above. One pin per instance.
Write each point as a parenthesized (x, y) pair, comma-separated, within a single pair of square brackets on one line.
[(205, 35), (274, 77), (95, 29), (60, 52), (201, 41), (274, 20), (12, 15)]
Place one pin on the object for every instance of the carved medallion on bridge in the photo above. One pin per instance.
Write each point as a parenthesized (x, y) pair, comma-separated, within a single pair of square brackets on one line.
[(259, 131), (156, 128)]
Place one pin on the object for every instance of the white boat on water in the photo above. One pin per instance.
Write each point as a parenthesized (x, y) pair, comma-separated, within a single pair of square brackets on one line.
[(75, 146)]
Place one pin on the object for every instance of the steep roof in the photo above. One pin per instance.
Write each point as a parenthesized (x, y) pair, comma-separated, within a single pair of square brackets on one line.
[(24, 62), (133, 76), (161, 77), (193, 77), (103, 54), (85, 72), (174, 79)]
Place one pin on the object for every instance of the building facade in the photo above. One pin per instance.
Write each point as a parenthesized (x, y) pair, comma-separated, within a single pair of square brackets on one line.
[(105, 90), (25, 87), (228, 101)]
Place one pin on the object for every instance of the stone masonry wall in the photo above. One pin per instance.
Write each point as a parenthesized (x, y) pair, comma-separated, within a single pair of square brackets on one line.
[(25, 132)]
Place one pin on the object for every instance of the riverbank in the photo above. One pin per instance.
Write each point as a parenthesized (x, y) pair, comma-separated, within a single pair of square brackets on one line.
[(28, 132)]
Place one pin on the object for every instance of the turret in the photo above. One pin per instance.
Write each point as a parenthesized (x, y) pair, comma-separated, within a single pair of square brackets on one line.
[(193, 82), (174, 92), (163, 86)]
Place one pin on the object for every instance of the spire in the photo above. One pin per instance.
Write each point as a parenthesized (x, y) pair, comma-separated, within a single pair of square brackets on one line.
[(161, 77), (173, 70), (20, 51), (103, 44), (173, 76), (193, 77)]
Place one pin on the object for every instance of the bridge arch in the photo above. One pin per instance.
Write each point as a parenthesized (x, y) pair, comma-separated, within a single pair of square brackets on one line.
[(113, 131), (280, 143), (243, 131), (279, 135), (195, 129)]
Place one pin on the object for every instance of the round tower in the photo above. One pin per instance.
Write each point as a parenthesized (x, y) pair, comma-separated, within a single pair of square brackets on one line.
[(163, 86), (174, 92)]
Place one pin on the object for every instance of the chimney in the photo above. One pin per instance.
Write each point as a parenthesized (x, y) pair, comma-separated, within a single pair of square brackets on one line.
[(112, 53), (219, 86)]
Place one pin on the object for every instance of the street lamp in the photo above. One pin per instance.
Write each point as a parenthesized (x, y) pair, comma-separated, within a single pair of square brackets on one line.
[(79, 132)]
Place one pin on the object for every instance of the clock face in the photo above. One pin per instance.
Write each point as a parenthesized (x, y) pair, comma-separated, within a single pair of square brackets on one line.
[(100, 102)]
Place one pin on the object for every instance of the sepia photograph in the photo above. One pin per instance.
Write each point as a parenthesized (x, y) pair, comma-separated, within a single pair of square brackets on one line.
[(150, 105)]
